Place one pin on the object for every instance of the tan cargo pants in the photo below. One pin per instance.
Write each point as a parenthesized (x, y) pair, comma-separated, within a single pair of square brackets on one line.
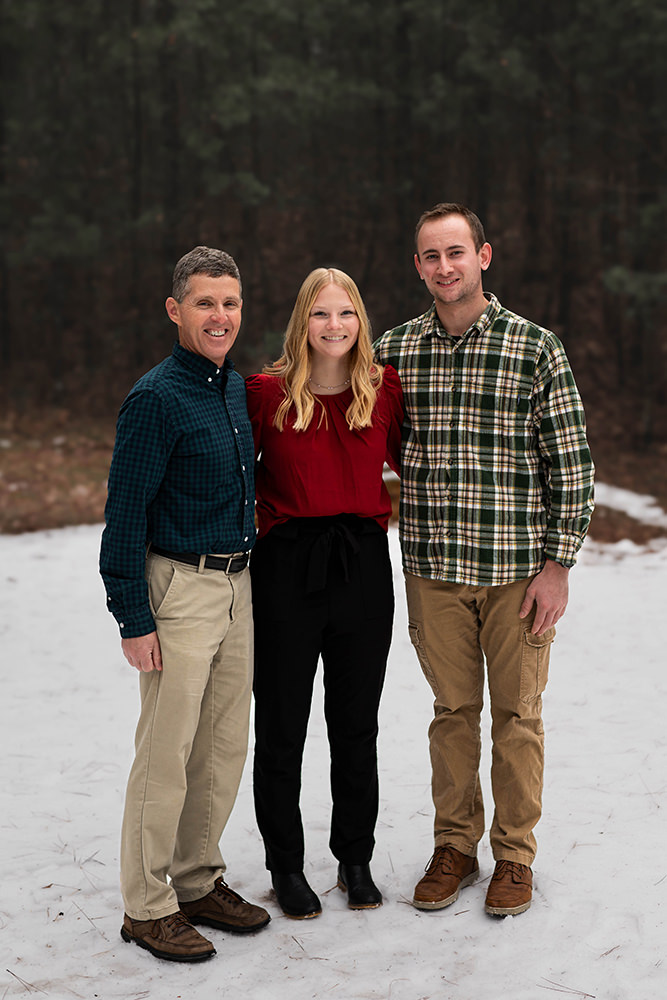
[(454, 629)]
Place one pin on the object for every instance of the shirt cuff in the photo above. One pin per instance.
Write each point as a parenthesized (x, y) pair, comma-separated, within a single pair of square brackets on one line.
[(563, 549), (135, 623)]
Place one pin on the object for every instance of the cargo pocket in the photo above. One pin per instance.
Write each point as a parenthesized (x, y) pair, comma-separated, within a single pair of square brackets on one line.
[(535, 663), (420, 649)]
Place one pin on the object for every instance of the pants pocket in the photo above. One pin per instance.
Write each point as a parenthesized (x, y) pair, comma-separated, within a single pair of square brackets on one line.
[(535, 664), (376, 580), (161, 577), (417, 641)]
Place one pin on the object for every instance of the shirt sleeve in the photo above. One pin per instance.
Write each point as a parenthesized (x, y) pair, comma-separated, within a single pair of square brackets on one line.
[(137, 469), (254, 392), (392, 387), (564, 448), (380, 348)]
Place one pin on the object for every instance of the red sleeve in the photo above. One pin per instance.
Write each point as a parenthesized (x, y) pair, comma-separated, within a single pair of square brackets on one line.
[(394, 393), (256, 391)]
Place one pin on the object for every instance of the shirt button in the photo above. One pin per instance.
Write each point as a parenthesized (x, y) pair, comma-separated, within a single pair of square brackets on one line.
[(121, 624), (243, 467), (245, 539), (209, 380), (236, 430)]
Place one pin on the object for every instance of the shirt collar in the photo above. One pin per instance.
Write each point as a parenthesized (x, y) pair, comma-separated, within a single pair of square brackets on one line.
[(432, 324), (200, 365)]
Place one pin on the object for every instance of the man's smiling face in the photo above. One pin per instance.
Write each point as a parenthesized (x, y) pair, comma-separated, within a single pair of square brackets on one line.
[(209, 316), (448, 262)]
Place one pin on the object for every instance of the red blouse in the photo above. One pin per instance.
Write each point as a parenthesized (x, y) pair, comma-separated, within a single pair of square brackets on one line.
[(323, 470)]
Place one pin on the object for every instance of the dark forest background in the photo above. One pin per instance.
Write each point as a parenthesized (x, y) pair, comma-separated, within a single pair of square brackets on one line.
[(295, 133)]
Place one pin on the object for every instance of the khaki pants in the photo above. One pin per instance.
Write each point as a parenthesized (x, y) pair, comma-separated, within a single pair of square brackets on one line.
[(191, 739), (454, 628)]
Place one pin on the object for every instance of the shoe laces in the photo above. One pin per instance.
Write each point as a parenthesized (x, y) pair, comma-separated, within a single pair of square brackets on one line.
[(176, 923), (222, 889), (442, 858), (514, 869)]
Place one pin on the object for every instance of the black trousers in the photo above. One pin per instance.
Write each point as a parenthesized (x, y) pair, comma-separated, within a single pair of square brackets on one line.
[(321, 587)]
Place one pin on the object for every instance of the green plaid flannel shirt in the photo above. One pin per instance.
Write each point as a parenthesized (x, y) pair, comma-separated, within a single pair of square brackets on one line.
[(496, 473)]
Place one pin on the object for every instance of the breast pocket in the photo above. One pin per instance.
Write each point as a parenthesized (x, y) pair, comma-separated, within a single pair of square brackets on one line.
[(500, 423)]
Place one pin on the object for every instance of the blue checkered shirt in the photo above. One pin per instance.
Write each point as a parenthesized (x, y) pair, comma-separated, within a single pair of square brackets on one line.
[(496, 474), (182, 477)]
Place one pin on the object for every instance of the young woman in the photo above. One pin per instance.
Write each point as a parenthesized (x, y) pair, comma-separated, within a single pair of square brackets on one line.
[(325, 418)]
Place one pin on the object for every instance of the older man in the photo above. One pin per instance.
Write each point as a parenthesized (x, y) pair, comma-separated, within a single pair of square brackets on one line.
[(179, 528)]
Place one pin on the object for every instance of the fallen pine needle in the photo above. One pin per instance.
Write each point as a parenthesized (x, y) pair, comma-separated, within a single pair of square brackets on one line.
[(559, 988), (28, 986)]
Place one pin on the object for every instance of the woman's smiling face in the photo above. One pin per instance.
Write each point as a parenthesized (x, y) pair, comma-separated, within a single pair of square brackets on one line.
[(333, 325)]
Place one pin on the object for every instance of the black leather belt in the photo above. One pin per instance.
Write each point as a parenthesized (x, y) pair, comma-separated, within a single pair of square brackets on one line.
[(228, 564)]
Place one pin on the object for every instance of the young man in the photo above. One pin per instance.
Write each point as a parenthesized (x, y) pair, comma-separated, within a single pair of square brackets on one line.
[(180, 525), (496, 498)]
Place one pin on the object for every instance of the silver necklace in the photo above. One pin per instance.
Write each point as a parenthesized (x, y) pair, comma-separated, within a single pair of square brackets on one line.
[(320, 386)]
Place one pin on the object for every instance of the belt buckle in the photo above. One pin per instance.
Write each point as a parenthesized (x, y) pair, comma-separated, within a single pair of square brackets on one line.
[(227, 570)]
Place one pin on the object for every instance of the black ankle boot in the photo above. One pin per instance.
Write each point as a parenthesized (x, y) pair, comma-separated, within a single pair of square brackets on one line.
[(295, 897), (362, 893)]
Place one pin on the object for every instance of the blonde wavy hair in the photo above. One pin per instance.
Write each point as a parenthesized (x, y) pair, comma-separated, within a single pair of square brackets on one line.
[(293, 366)]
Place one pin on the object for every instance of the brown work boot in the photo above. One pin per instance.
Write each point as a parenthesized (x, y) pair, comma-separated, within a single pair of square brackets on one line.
[(225, 909), (172, 937), (510, 890), (447, 873)]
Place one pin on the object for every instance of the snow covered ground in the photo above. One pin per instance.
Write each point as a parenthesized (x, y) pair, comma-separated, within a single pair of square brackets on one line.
[(597, 924)]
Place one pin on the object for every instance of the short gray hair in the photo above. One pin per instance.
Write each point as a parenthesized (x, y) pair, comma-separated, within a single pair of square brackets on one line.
[(202, 260)]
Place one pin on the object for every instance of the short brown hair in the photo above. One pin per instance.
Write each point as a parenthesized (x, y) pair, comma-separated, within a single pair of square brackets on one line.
[(445, 208), (202, 260)]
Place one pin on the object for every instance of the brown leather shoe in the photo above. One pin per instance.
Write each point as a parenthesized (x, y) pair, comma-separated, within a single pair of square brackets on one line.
[(447, 873), (510, 890), (172, 937), (225, 909)]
